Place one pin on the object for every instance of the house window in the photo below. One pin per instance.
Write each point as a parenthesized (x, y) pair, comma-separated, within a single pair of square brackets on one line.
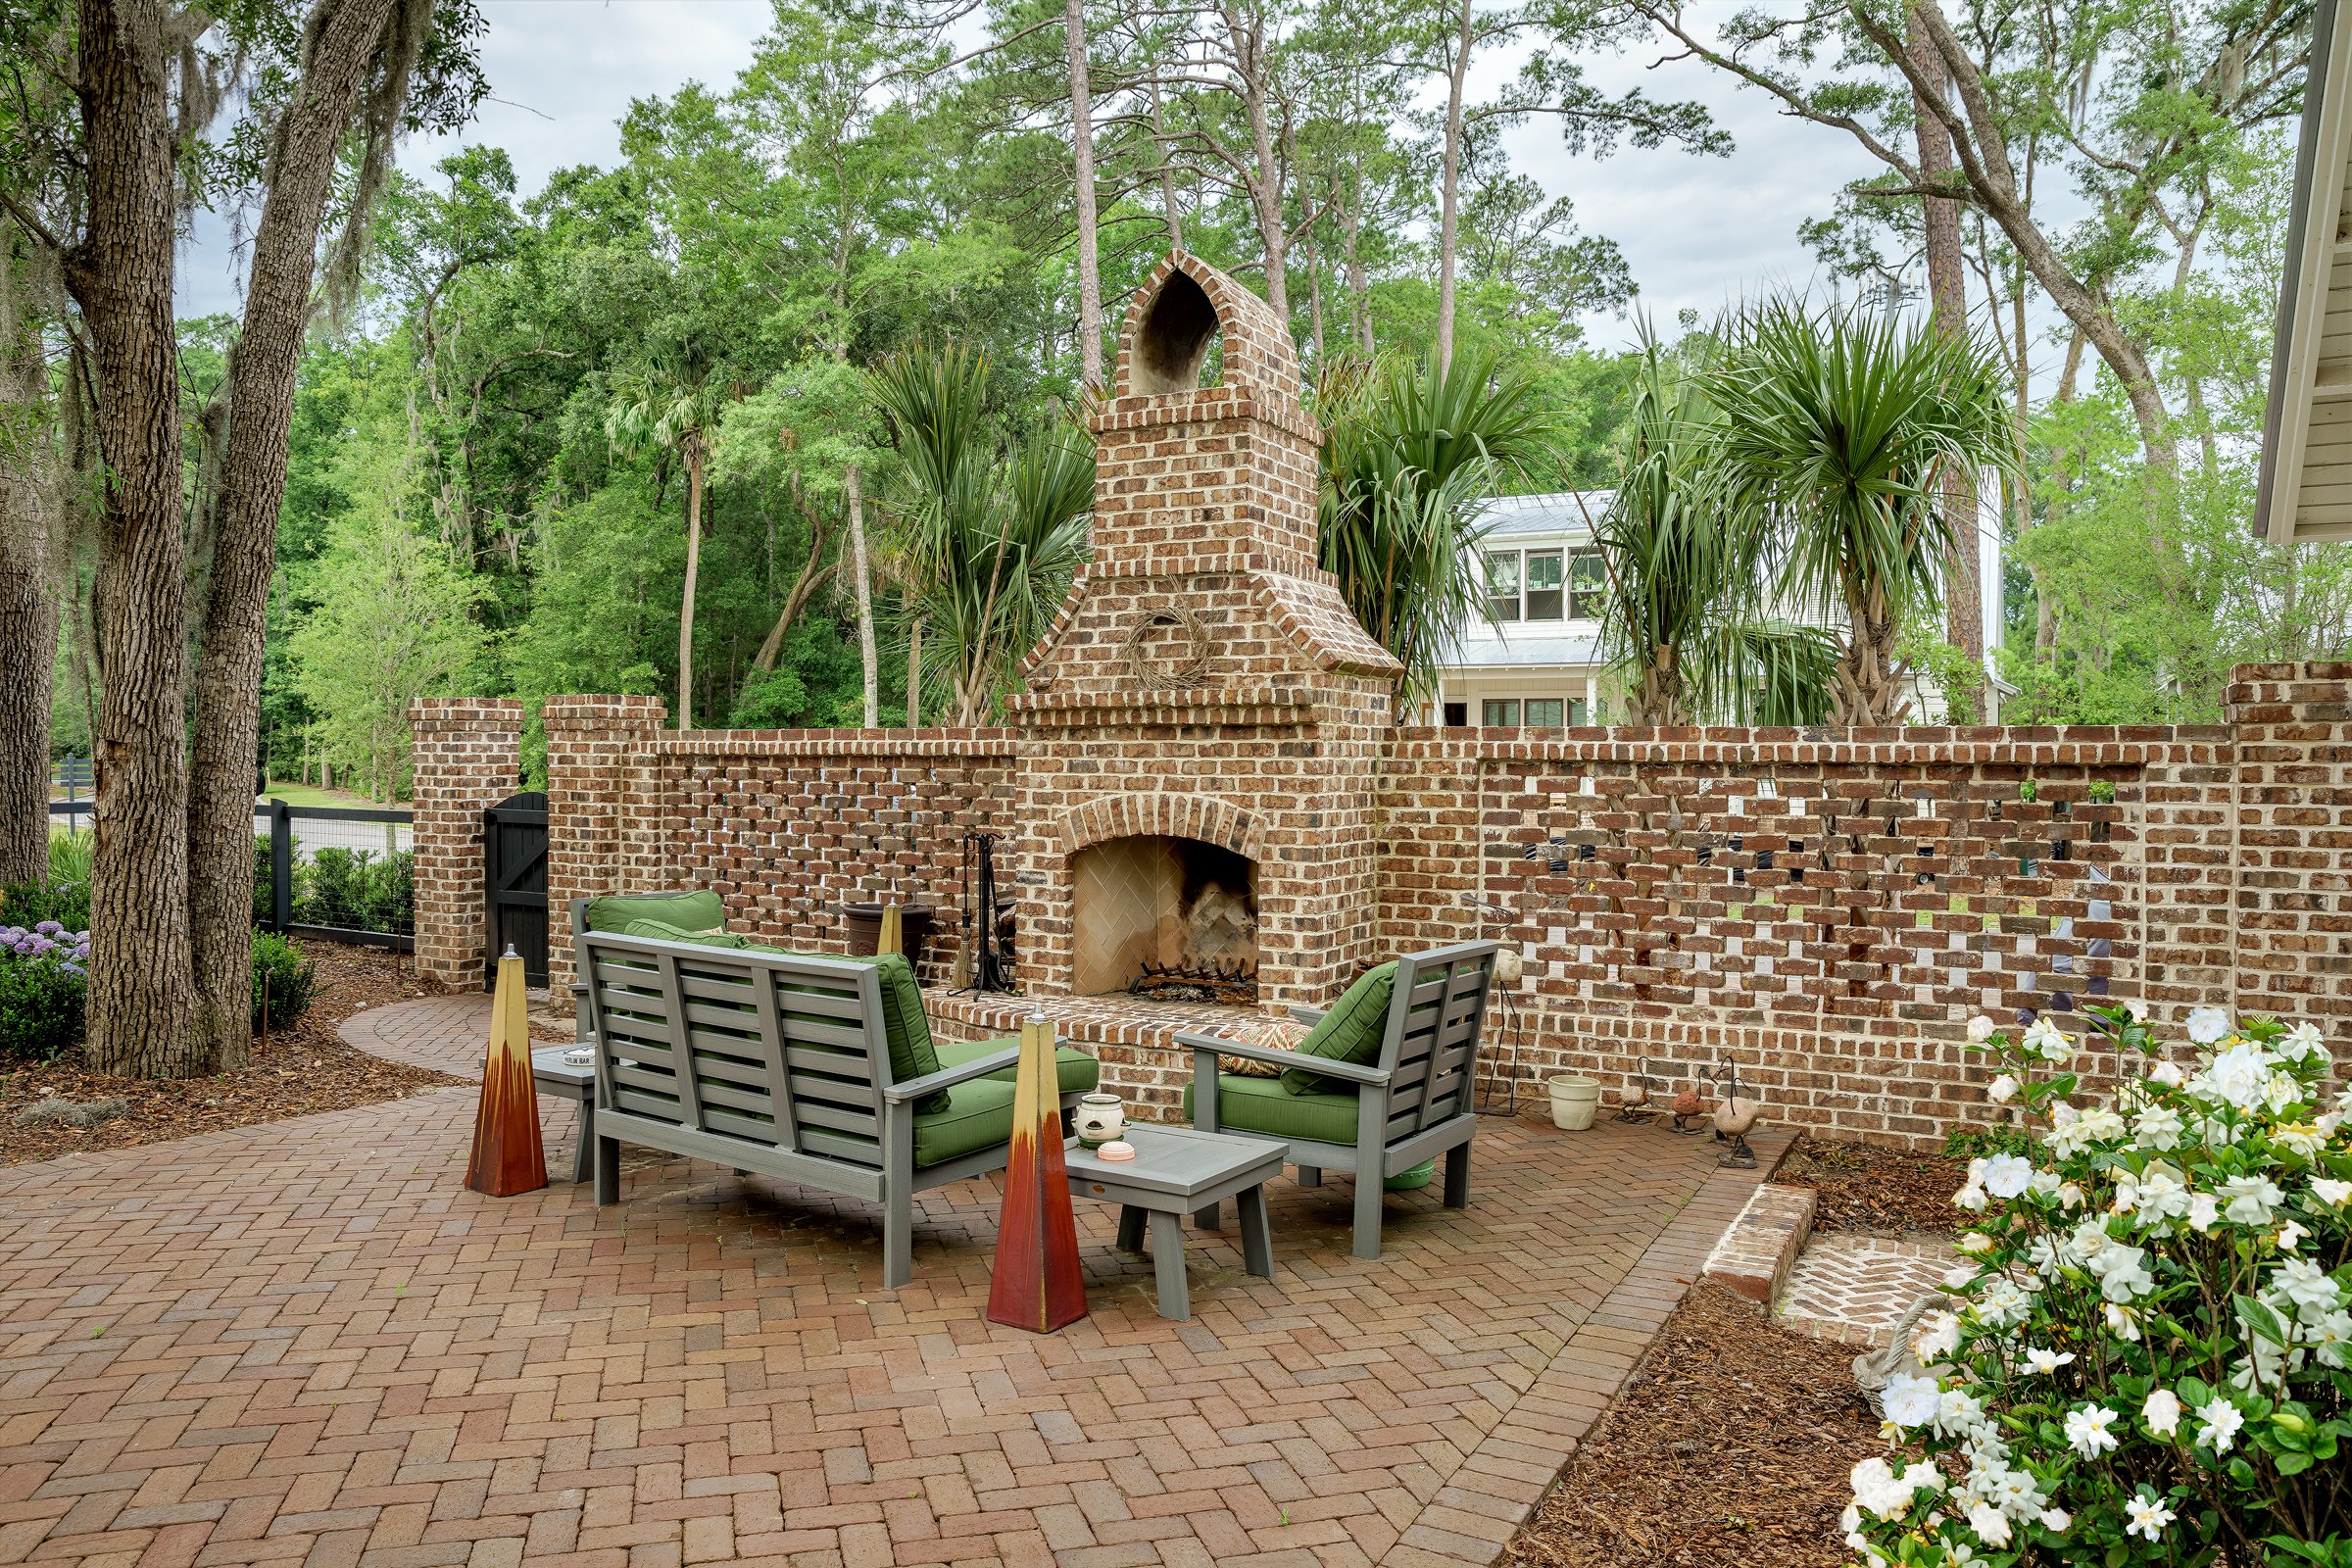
[(1580, 713), (1544, 712), (1458, 714), (1502, 584), (1543, 594), (1501, 713), (1587, 585)]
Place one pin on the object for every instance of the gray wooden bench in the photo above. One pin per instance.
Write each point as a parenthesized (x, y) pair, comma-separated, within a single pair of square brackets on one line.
[(777, 1066)]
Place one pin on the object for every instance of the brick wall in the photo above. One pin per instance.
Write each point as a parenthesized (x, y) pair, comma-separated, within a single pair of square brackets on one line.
[(603, 821), (2291, 920), (468, 756)]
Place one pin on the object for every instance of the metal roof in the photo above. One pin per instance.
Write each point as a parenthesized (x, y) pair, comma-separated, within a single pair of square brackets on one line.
[(2306, 486), (1566, 512)]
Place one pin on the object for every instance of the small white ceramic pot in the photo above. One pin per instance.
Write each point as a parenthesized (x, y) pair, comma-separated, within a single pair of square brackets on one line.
[(1099, 1119), (1573, 1102)]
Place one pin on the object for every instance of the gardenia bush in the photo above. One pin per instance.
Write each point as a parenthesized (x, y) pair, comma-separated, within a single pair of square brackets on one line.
[(2147, 1360)]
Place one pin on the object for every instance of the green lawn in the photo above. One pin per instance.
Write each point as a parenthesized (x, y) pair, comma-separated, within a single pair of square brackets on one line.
[(312, 794)]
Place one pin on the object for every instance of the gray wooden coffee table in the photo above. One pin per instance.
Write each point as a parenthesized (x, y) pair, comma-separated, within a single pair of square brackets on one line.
[(554, 1076), (1177, 1172)]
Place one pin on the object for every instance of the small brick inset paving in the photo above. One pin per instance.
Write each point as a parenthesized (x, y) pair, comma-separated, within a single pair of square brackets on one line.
[(1853, 1289), (307, 1343)]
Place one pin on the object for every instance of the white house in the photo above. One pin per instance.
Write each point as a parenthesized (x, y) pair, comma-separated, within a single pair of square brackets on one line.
[(1537, 661)]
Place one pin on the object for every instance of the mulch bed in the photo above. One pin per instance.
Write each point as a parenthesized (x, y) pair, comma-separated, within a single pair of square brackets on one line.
[(1880, 1191), (297, 1072), (1730, 1447)]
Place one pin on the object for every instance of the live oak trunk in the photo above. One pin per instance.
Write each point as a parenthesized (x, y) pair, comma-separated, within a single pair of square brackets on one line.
[(1082, 152), (145, 1018), (1963, 594), (27, 596), (261, 367)]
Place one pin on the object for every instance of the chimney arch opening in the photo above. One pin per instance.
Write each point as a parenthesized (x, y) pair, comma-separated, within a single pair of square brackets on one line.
[(1174, 339)]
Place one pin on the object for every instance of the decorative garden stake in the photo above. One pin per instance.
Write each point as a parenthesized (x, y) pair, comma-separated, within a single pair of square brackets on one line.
[(508, 1155), (1035, 1283)]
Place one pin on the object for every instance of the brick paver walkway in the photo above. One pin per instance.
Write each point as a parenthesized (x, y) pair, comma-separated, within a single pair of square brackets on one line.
[(1855, 1288), (306, 1343)]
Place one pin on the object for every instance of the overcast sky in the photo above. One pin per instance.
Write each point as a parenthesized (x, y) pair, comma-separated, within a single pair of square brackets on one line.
[(1698, 233)]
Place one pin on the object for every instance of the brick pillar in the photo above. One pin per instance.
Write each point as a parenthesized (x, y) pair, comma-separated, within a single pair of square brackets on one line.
[(467, 758), (2293, 912), (595, 749)]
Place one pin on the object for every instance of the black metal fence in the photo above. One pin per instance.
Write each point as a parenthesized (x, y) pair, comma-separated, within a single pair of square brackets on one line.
[(344, 874)]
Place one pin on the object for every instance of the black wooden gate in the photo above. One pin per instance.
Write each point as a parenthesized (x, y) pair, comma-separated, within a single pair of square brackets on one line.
[(515, 874)]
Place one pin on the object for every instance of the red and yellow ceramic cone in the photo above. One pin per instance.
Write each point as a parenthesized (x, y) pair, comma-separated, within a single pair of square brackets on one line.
[(1037, 1285), (508, 1155)]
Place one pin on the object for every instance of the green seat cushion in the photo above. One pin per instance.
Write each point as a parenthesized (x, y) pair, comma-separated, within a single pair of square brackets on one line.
[(1264, 1106), (688, 912), (1351, 1031), (1076, 1072), (904, 1026), (664, 931), (977, 1115)]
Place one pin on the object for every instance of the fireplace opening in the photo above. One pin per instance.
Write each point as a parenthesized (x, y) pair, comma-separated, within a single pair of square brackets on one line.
[(1170, 918)]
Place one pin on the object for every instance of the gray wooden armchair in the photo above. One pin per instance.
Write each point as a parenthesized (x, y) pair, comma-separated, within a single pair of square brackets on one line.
[(779, 1066), (1406, 1100)]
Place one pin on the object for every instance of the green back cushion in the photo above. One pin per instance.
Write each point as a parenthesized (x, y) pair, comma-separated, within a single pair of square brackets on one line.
[(664, 931), (1351, 1031), (688, 912)]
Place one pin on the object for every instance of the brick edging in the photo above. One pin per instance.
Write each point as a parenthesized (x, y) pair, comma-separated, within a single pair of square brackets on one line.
[(1495, 1490)]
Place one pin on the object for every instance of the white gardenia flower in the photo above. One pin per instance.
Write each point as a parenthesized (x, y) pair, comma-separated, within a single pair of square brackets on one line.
[(2291, 1236), (2002, 1090), (1938, 1336), (2048, 1041), (1959, 1278), (2014, 1491), (2240, 1076), (2334, 1193), (1990, 1524), (1975, 1243), (2070, 1196), (2121, 1322), (2039, 1360), (1879, 1489), (2162, 1412), (2207, 1024), (2305, 1284), (2003, 1304), (2122, 1271), (2166, 1074), (2006, 1175), (2329, 1336), (2057, 1519), (2086, 1430), (2148, 1514), (1959, 1413), (2301, 1043), (2203, 1211), (1910, 1400), (2302, 1137), (2157, 1128), (1980, 1028), (2044, 1182), (2222, 1422), (2079, 1130), (2249, 1200), (1971, 1198)]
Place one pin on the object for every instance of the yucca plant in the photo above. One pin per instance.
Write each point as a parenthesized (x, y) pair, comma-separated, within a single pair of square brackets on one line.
[(1409, 453), (1687, 625), (1838, 427), (987, 541)]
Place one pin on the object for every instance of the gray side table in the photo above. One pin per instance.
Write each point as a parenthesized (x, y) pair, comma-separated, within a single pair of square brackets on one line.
[(554, 1076), (1177, 1172)]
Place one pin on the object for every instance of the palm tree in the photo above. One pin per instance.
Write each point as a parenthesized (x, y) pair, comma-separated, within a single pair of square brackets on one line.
[(1409, 453), (671, 402), (1685, 625), (988, 540), (1838, 430)]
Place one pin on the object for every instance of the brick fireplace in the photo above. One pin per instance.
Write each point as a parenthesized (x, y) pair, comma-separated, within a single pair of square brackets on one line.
[(1206, 714)]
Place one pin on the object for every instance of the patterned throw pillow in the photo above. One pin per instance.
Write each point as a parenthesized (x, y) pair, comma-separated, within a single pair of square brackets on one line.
[(1275, 1034)]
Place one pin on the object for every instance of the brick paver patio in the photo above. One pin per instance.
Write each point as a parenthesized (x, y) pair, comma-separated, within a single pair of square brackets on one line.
[(306, 1343)]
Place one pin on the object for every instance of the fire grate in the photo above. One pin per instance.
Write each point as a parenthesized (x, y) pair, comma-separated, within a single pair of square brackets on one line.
[(1231, 985)]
